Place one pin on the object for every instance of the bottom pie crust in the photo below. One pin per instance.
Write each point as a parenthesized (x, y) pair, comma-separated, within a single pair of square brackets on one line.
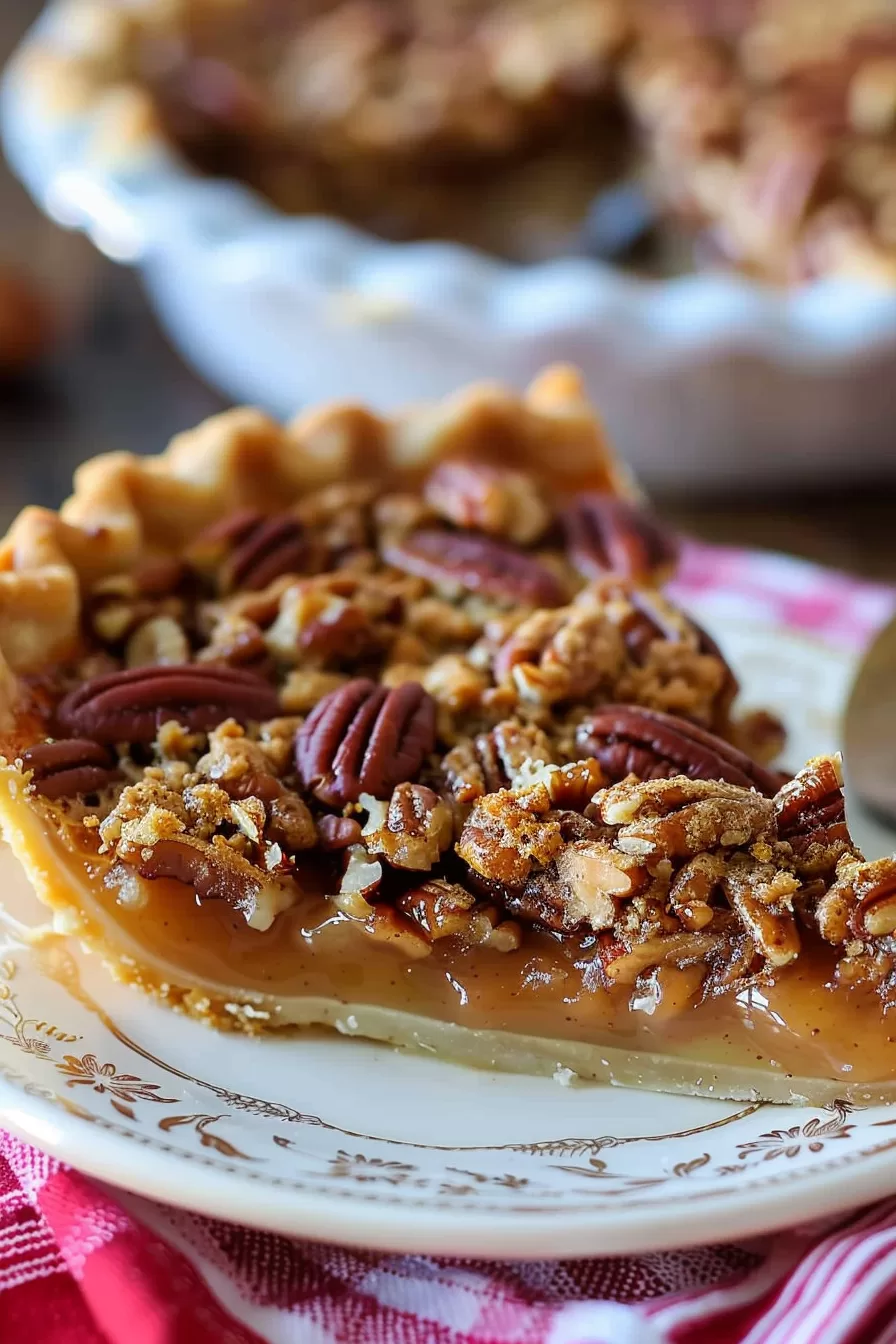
[(794, 1041)]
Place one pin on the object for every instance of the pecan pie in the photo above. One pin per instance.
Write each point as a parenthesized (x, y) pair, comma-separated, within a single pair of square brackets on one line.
[(389, 725), (755, 133)]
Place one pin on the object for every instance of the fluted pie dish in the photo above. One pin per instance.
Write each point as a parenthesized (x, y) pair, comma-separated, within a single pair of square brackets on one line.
[(388, 726)]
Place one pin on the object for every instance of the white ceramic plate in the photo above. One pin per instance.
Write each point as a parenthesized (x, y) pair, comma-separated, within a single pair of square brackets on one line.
[(346, 1141)]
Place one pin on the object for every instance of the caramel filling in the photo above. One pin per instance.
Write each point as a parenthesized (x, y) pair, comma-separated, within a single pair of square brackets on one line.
[(796, 1024)]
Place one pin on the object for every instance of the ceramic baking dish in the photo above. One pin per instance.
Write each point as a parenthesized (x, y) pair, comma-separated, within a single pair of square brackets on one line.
[(705, 380)]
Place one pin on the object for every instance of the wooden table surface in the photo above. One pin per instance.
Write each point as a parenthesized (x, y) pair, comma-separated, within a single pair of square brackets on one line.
[(112, 381)]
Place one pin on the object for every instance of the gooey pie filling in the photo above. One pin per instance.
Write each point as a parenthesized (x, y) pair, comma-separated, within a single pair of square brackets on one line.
[(453, 752)]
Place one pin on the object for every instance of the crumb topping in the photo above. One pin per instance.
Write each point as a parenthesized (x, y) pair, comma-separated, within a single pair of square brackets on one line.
[(439, 755)]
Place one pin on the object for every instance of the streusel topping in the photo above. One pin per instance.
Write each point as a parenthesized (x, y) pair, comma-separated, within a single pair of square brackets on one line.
[(455, 715)]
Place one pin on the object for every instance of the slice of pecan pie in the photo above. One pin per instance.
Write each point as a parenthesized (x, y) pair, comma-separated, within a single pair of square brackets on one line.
[(388, 725)]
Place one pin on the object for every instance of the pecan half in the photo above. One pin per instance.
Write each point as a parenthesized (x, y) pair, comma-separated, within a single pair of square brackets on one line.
[(478, 564), (496, 500), (363, 738), (608, 534), (130, 706), (250, 549), (68, 767), (646, 743), (811, 814)]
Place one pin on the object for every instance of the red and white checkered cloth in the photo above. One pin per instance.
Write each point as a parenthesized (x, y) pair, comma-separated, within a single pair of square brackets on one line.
[(80, 1264)]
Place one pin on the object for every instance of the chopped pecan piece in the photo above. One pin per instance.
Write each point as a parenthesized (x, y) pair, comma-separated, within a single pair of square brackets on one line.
[(249, 550), (445, 910), (363, 738), (628, 740), (336, 620), (496, 500), (608, 534), (693, 888), (477, 564), (570, 786), (289, 824), (678, 818), (860, 903), (70, 766), (412, 830), (762, 896), (217, 872), (360, 882), (387, 925), (574, 653), (130, 706), (240, 765), (238, 642), (117, 604), (675, 949), (493, 760), (652, 618), (811, 814), (584, 885), (338, 832), (442, 909), (506, 834), (159, 640)]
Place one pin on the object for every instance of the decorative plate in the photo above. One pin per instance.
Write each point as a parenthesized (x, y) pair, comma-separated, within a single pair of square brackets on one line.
[(347, 1141)]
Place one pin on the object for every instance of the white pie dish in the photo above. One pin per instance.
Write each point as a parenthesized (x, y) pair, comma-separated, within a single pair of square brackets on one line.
[(345, 1140), (705, 381)]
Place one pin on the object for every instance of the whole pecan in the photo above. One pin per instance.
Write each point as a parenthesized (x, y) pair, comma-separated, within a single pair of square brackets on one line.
[(363, 738), (608, 534), (652, 745), (130, 706), (251, 549), (811, 814), (69, 766), (479, 564)]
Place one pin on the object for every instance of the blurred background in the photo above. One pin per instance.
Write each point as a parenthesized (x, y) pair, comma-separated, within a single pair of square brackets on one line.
[(85, 369)]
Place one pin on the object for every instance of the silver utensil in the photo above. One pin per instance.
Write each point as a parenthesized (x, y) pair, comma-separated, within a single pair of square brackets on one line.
[(869, 747)]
